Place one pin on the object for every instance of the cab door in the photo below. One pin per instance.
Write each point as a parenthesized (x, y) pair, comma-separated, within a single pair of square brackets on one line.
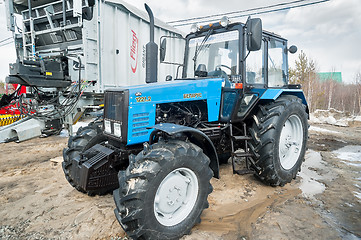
[(255, 83), (277, 64)]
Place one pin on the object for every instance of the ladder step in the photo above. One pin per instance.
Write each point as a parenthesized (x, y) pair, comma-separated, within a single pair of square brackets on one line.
[(239, 138), (243, 171), (243, 154)]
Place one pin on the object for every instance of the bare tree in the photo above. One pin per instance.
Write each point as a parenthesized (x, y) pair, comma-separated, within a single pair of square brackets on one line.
[(331, 87), (358, 89), (304, 73)]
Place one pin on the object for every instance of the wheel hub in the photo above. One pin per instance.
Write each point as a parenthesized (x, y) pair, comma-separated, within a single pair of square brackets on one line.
[(291, 141), (176, 196)]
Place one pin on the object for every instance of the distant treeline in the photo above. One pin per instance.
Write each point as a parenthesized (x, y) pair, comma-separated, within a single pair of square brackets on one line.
[(326, 94)]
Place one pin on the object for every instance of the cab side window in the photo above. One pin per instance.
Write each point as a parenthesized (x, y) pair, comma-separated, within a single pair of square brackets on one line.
[(277, 63)]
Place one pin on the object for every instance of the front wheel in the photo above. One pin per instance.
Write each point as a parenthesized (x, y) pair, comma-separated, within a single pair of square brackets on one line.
[(85, 138), (163, 193), (279, 136)]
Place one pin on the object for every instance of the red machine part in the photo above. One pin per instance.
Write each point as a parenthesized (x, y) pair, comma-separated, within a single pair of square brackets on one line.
[(12, 109)]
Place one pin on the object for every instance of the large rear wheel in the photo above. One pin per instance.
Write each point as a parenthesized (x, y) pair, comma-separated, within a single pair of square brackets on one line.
[(279, 136), (163, 193)]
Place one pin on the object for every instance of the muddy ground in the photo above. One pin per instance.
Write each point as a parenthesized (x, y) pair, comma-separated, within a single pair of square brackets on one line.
[(323, 202)]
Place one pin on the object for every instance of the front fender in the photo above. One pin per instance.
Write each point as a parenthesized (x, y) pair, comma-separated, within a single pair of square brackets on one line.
[(195, 136)]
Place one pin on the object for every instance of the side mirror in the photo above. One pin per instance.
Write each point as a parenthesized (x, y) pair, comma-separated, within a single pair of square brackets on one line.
[(176, 48), (162, 49), (292, 49), (254, 34)]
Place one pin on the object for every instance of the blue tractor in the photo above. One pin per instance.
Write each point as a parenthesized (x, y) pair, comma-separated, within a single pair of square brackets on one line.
[(160, 144)]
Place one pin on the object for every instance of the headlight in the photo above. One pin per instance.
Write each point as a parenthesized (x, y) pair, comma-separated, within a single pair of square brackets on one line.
[(194, 28), (107, 127), (224, 21), (117, 130)]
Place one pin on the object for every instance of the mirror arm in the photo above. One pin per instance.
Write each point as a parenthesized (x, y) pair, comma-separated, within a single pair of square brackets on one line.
[(244, 59)]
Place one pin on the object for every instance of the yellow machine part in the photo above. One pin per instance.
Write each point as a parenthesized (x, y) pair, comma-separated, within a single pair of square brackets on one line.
[(7, 119)]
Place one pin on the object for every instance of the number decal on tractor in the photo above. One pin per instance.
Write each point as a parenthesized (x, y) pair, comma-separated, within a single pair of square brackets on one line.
[(143, 99)]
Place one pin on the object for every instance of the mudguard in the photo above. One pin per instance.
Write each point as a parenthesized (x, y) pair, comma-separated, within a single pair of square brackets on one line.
[(195, 136), (273, 94)]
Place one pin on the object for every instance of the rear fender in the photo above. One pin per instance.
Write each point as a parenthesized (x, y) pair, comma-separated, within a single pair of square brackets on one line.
[(194, 136), (273, 94)]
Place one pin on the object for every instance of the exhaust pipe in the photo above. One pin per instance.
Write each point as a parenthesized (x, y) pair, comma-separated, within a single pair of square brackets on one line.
[(151, 51)]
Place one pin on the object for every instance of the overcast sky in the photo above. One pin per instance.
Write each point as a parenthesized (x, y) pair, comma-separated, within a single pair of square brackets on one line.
[(329, 33)]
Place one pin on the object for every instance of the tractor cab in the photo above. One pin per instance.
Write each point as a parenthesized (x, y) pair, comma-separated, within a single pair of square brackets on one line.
[(243, 52)]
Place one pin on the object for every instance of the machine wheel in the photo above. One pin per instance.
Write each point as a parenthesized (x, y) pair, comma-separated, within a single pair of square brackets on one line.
[(163, 193), (279, 136), (85, 138)]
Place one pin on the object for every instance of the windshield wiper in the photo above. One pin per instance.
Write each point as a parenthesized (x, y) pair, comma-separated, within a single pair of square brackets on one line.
[(201, 47)]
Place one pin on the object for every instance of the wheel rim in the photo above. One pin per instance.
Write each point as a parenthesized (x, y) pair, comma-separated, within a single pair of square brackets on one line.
[(176, 196), (291, 141)]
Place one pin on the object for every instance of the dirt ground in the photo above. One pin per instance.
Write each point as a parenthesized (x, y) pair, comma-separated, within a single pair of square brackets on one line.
[(323, 202)]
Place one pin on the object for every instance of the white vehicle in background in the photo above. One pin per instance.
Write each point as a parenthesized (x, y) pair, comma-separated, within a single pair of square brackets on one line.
[(69, 52)]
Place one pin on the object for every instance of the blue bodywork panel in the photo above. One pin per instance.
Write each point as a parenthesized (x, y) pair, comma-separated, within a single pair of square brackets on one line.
[(143, 100), (273, 94)]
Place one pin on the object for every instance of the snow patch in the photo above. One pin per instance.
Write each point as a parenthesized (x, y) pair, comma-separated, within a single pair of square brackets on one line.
[(357, 119), (318, 129), (333, 117)]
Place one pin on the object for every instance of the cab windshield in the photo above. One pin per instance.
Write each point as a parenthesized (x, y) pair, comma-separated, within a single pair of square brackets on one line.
[(219, 52)]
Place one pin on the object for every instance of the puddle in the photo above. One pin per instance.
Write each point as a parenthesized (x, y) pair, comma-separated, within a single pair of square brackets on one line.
[(310, 186), (351, 155), (338, 214)]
